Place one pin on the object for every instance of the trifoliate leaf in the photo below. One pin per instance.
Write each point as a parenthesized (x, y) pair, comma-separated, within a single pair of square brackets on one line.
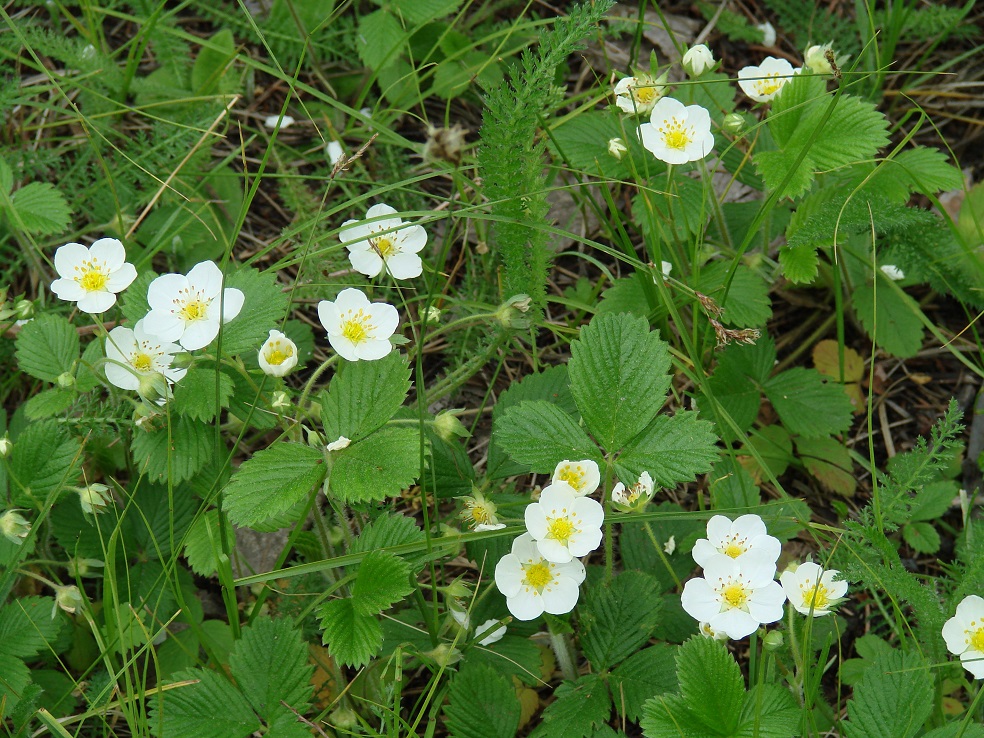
[(211, 699), (380, 39), (383, 579), (481, 704), (893, 699), (644, 674), (363, 396), (203, 543), (390, 529), (673, 449), (352, 637), (890, 317), (176, 453), (541, 435), (45, 459), (379, 466), (627, 295), (830, 462), (619, 377), (264, 308), (808, 405), (272, 482), (618, 617), (578, 709), (195, 396), (924, 170), (270, 664), (40, 208), (711, 684), (921, 537), (47, 347), (16, 678), (747, 303)]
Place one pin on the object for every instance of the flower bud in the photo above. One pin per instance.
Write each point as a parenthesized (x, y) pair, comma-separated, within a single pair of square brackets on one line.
[(278, 354), (617, 148), (65, 380), (24, 309), (82, 567), (773, 640), (93, 498), (733, 123), (816, 60), (458, 589), (6, 446), (636, 497), (510, 313), (154, 388), (448, 427), (14, 527), (697, 60), (432, 316), (344, 718), (182, 360), (68, 598)]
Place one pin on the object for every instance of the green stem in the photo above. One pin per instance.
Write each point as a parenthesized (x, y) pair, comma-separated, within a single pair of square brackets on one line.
[(309, 385), (562, 650)]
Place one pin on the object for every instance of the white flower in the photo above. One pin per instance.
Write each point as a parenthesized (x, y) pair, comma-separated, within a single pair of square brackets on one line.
[(136, 354), (667, 267), (964, 634), (733, 599), (892, 272), (677, 133), (768, 34), (278, 354), (698, 60), (185, 309), (490, 636), (815, 59), (532, 585), (479, 512), (617, 148), (358, 329), (338, 445), (745, 540), (583, 476), (271, 121), (92, 276), (707, 631), (638, 95), (564, 525), (811, 590), (638, 495), (6, 446), (762, 83), (334, 151), (380, 241)]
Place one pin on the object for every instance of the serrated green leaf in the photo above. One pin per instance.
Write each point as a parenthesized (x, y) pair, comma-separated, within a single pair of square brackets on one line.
[(89, 376), (45, 459), (733, 393), (203, 543), (264, 308), (711, 684), (747, 303), (179, 712), (379, 466), (174, 454), (481, 704), (351, 636), (644, 674), (380, 39), (618, 617), (770, 712), (925, 170), (807, 404), (16, 677), (890, 317), (153, 516), (921, 537), (383, 579), (627, 295), (670, 716), (418, 12), (619, 377), (272, 482), (830, 462), (6, 177), (49, 402), (800, 264), (47, 347), (27, 628), (134, 304), (270, 664), (40, 208), (580, 707), (363, 396), (673, 449), (390, 529), (195, 394), (540, 435), (933, 500), (512, 656), (893, 698)]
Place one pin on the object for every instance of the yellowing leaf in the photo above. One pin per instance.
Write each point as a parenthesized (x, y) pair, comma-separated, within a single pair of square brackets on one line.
[(826, 359)]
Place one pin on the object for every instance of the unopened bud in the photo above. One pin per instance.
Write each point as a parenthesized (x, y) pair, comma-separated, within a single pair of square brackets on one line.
[(444, 655), (733, 123), (6, 446), (83, 567), (24, 309), (510, 313), (773, 640), (458, 589), (154, 388), (698, 60), (448, 427), (68, 599), (14, 527), (182, 360), (344, 718), (65, 380)]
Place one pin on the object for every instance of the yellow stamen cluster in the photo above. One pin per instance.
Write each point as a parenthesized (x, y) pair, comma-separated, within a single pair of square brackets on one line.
[(675, 134), (770, 85), (537, 575), (91, 276), (384, 246), (735, 595), (356, 326), (278, 352)]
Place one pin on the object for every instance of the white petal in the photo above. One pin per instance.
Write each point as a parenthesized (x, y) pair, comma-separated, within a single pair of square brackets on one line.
[(583, 543), (328, 315), (524, 548), (591, 512), (373, 350), (385, 317), (199, 334), (413, 239), (554, 551), (205, 277), (748, 526), (666, 108), (109, 251), (163, 324), (718, 528), (366, 261), (163, 290), (703, 551), (699, 601), (380, 210), (122, 377), (973, 662), (404, 266), (232, 302), (351, 299), (68, 257), (509, 575), (573, 570), (343, 347), (97, 302), (525, 604), (736, 623), (120, 343), (536, 521), (556, 497), (68, 290), (122, 278), (561, 597), (493, 635)]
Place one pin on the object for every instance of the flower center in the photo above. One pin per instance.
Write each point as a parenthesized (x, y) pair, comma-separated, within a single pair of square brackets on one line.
[(735, 595), (977, 639), (194, 310), (733, 549), (771, 85), (818, 598), (675, 136), (92, 277), (645, 95), (560, 529), (384, 246), (142, 362), (573, 475), (356, 326), (537, 575), (277, 354)]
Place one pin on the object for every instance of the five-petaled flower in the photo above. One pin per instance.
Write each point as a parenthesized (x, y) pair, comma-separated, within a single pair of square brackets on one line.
[(636, 496), (583, 476), (964, 634), (745, 540), (811, 589), (480, 512), (135, 354), (92, 276), (532, 585), (764, 82), (733, 598), (639, 94), (677, 133), (186, 309), (564, 525), (358, 329), (278, 354), (380, 241)]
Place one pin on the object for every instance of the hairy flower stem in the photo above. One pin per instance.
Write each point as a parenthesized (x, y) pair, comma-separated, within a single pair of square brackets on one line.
[(562, 650), (463, 373), (309, 385)]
